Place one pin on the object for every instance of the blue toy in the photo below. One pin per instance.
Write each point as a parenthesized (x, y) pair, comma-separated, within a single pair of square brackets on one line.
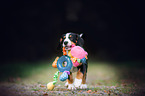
[(60, 62), (64, 69), (64, 76), (83, 60)]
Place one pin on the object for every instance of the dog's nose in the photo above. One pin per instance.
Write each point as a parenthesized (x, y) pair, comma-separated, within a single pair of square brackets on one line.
[(66, 42)]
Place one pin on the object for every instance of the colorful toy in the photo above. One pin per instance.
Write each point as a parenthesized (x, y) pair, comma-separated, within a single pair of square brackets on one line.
[(75, 61), (78, 53), (54, 64), (61, 68), (60, 62), (83, 60), (64, 76), (65, 69), (64, 64), (51, 85)]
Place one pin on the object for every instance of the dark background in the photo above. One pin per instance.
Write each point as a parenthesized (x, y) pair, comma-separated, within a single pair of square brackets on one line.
[(113, 30)]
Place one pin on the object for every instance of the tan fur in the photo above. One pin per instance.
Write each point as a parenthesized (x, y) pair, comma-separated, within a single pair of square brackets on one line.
[(70, 80), (79, 75), (73, 43), (84, 78)]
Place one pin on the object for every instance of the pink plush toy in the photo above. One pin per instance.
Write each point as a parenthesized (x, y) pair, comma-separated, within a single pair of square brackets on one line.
[(79, 53)]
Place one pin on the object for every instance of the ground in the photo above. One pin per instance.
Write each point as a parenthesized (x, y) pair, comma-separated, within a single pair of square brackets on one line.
[(30, 79)]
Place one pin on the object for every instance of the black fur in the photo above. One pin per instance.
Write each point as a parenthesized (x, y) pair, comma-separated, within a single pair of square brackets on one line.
[(83, 68), (79, 42), (75, 38)]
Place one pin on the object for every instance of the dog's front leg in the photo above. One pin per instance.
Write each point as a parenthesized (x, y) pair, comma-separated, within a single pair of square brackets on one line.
[(83, 85), (78, 79), (70, 82)]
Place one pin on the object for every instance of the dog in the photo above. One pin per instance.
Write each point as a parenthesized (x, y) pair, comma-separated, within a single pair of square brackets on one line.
[(66, 42)]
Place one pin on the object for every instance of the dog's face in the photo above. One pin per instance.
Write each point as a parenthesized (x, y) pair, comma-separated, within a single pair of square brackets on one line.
[(68, 39)]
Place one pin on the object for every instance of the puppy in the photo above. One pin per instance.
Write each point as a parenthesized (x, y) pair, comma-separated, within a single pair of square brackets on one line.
[(67, 41)]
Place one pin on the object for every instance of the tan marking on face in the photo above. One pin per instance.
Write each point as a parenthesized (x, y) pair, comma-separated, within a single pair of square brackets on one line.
[(60, 39), (73, 43)]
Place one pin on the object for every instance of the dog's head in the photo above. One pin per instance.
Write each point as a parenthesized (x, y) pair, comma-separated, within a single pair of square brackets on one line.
[(68, 39)]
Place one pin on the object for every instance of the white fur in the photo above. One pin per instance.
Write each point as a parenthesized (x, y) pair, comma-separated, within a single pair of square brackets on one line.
[(83, 86), (68, 40), (66, 84), (77, 82), (71, 87)]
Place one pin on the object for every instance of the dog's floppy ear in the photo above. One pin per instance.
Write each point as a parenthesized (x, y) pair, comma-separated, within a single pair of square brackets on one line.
[(79, 41)]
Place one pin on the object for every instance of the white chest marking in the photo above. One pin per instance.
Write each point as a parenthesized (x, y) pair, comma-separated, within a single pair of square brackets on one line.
[(67, 40)]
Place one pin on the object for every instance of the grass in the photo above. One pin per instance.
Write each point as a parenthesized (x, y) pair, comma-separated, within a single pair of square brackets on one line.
[(21, 69), (102, 78)]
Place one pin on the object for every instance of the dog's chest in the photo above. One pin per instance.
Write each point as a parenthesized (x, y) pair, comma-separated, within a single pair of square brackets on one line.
[(69, 53), (74, 69)]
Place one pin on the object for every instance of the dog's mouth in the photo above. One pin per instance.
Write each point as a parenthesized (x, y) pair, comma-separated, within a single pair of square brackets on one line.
[(68, 47)]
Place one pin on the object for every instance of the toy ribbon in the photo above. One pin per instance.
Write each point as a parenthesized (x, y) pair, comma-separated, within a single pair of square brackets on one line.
[(73, 59), (67, 72), (55, 77), (79, 60)]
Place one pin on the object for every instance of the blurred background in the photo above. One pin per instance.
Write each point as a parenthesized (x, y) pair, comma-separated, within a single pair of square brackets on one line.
[(113, 34), (113, 30)]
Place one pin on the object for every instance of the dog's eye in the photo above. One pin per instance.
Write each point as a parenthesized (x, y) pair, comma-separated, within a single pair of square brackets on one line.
[(63, 36), (70, 36)]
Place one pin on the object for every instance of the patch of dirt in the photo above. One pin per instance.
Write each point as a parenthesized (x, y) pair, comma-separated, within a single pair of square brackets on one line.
[(12, 89)]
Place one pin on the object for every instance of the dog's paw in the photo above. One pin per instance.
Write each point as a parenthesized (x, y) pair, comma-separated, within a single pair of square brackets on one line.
[(83, 86), (66, 84), (71, 87), (77, 82)]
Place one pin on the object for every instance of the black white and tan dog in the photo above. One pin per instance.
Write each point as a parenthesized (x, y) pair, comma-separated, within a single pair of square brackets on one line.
[(66, 42)]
